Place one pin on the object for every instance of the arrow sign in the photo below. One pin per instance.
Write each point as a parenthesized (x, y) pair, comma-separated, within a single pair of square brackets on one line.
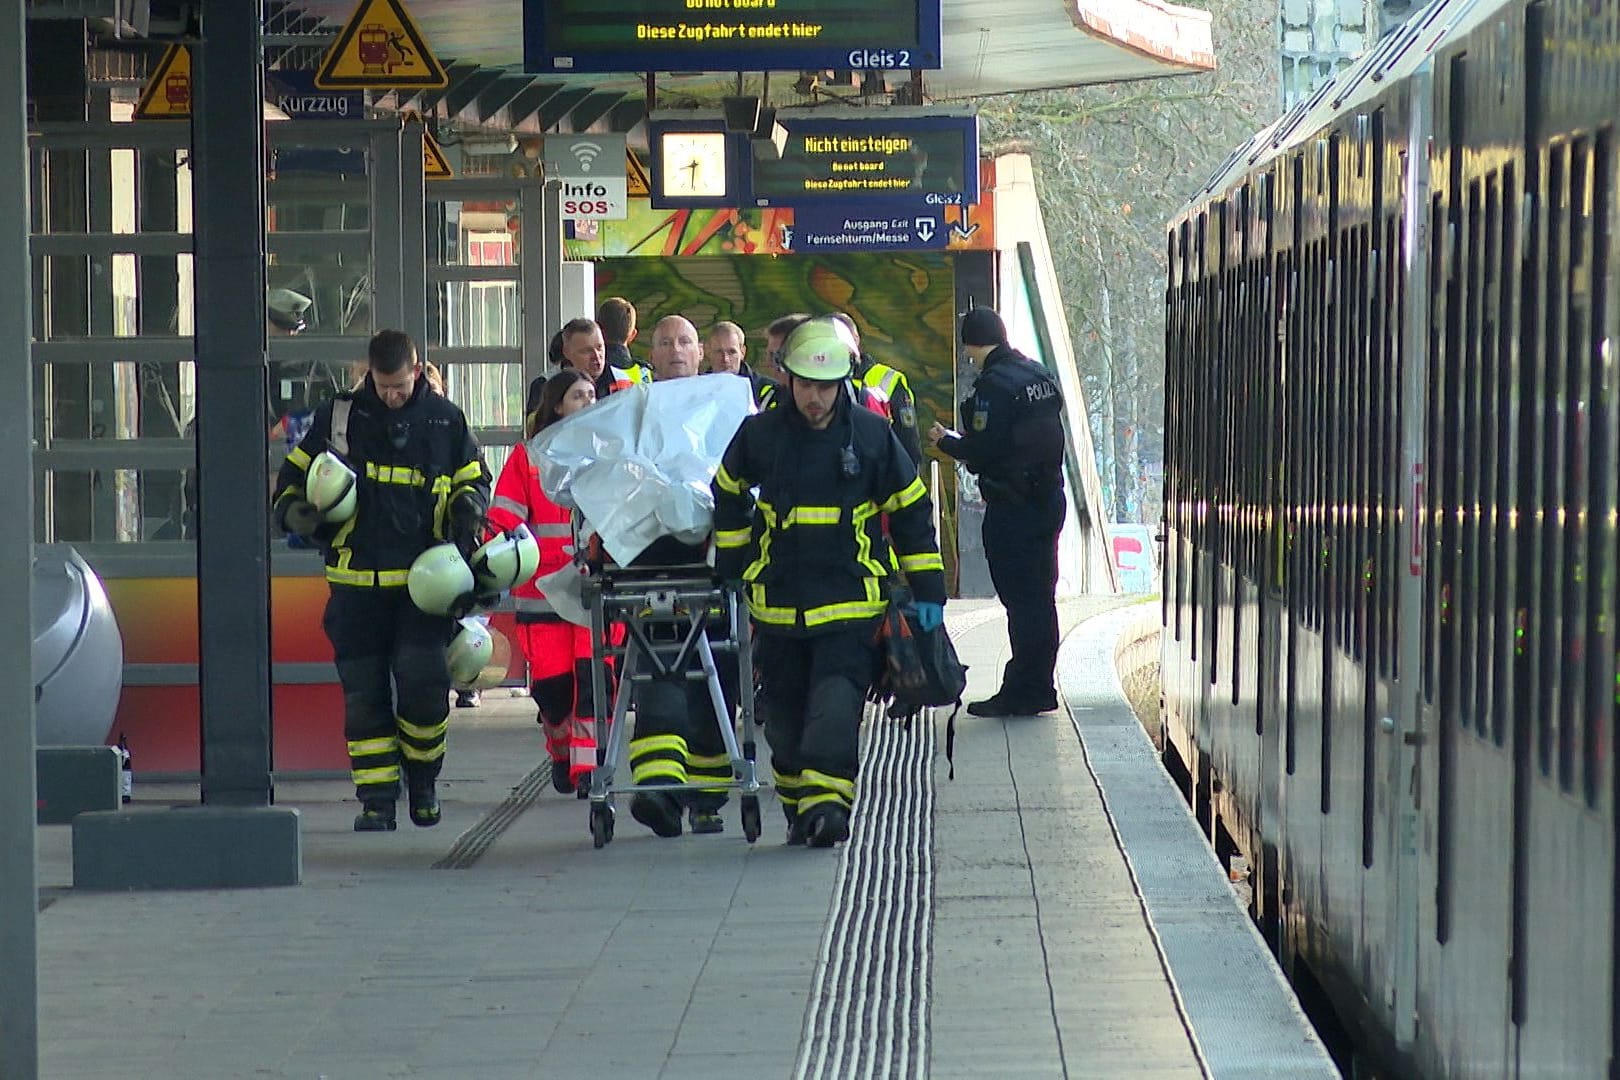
[(963, 230), (925, 229)]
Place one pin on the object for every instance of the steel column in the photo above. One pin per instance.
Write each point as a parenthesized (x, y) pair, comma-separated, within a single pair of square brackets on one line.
[(233, 549), (19, 914)]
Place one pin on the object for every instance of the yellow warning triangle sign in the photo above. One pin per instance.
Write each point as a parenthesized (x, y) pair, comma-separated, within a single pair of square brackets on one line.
[(167, 95), (380, 46), (635, 173), (434, 164)]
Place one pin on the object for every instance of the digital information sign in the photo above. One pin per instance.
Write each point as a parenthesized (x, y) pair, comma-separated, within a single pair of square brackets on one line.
[(923, 160), (729, 35)]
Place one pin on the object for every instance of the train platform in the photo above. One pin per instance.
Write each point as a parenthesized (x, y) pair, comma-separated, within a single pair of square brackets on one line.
[(1052, 911)]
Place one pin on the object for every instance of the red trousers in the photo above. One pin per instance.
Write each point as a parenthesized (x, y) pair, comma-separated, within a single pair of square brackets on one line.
[(559, 656)]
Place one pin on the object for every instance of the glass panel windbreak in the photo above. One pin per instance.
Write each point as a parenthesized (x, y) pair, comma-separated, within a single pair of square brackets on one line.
[(480, 233), (122, 295), (119, 400), (110, 506), (490, 394), (318, 221)]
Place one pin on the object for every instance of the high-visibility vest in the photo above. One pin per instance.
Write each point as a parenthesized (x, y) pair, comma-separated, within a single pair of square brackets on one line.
[(519, 499)]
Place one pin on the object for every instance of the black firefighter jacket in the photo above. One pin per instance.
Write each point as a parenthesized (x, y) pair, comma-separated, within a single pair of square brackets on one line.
[(410, 464), (811, 547)]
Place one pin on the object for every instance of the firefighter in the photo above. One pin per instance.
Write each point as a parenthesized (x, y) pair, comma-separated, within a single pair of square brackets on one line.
[(886, 390), (810, 555), (419, 480), (558, 652), (1012, 437)]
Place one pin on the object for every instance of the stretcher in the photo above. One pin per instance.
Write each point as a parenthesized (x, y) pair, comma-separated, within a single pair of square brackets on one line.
[(666, 612)]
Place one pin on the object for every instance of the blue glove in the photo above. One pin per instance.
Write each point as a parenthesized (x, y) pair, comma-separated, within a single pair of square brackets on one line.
[(930, 617)]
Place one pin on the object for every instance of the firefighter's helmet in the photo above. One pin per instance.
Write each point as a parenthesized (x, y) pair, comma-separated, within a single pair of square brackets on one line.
[(330, 486), (440, 581), (479, 656), (507, 561), (821, 349)]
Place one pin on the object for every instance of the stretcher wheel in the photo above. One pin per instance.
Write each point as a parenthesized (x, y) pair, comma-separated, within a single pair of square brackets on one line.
[(601, 824), (750, 817)]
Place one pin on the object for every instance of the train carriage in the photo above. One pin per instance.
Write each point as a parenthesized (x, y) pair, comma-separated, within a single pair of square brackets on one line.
[(1390, 589)]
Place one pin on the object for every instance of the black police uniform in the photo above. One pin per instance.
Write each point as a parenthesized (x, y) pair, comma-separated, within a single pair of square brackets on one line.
[(1012, 437), (421, 480), (815, 561)]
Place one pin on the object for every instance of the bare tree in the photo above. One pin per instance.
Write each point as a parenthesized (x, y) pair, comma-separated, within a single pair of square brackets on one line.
[(1113, 164)]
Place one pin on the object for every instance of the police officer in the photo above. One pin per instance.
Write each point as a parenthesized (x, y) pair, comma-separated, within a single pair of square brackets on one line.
[(886, 390), (419, 480), (1012, 437), (811, 556)]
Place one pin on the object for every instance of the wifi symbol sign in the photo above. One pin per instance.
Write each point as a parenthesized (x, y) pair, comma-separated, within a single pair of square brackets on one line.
[(585, 153)]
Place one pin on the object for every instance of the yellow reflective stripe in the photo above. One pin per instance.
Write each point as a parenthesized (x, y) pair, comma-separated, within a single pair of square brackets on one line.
[(361, 747), (343, 535), (653, 743), (299, 459), (656, 769), (441, 485), (813, 778), (413, 753), (926, 561), (732, 538), (905, 497), (863, 540), (387, 774), (709, 763), (728, 483), (468, 472), (388, 579), (812, 515), (763, 612), (395, 474), (851, 609), (755, 568), (809, 801), (417, 731)]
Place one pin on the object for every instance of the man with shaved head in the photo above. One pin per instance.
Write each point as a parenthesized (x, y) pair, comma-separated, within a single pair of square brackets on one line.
[(676, 350)]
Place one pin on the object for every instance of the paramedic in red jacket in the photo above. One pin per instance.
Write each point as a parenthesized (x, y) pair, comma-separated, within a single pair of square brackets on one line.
[(558, 651)]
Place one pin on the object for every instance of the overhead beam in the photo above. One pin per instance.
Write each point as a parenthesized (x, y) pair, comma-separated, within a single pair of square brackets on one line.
[(501, 93), (594, 107)]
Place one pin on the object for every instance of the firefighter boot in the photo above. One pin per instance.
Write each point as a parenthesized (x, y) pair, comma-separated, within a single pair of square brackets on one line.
[(424, 804), (376, 815), (826, 825), (560, 783), (659, 811)]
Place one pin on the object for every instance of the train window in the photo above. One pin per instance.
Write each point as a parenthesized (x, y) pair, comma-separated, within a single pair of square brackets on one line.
[(1601, 671), (1577, 291), (1553, 442), (1471, 455)]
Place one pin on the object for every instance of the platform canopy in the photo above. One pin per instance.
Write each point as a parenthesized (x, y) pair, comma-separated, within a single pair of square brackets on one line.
[(989, 47)]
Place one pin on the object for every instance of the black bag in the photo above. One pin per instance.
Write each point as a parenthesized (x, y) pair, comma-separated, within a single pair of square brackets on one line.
[(920, 670)]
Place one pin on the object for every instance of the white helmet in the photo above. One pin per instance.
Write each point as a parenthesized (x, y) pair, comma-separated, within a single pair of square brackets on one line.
[(479, 656), (508, 560), (439, 579), (330, 486)]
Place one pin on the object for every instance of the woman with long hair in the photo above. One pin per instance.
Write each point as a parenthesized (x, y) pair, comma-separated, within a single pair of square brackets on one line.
[(558, 652)]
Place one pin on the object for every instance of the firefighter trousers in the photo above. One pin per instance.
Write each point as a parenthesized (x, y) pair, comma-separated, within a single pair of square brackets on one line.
[(677, 737), (396, 687), (816, 688)]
